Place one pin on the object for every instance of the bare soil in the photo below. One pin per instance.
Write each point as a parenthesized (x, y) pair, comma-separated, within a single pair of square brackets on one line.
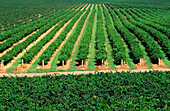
[(85, 66), (78, 72), (105, 7), (79, 7), (143, 65), (66, 67), (83, 7), (48, 66), (123, 67), (155, 66), (24, 51), (104, 67), (1, 54), (2, 41), (47, 45)]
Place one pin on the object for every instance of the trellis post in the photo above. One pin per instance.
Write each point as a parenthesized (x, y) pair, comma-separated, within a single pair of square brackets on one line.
[(2, 62), (43, 63), (159, 61), (122, 62), (140, 62), (22, 62), (63, 63), (82, 62), (102, 62)]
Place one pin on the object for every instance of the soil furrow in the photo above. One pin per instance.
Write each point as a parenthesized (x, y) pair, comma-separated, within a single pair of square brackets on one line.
[(48, 66), (79, 72), (18, 43), (66, 67), (28, 47), (85, 66), (27, 66)]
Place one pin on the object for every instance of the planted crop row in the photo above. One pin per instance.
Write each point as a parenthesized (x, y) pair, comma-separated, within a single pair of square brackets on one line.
[(120, 50), (83, 49), (151, 13), (29, 55), (20, 47), (134, 44), (16, 37), (158, 36), (67, 48), (24, 27), (149, 23), (151, 45), (158, 15), (47, 54), (150, 18), (110, 58), (101, 54)]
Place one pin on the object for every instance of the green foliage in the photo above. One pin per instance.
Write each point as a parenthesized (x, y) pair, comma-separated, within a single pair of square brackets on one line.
[(36, 48), (21, 46), (154, 50), (16, 13), (67, 48), (100, 38), (157, 35), (100, 91), (83, 49), (120, 50), (91, 64), (47, 54), (108, 46)]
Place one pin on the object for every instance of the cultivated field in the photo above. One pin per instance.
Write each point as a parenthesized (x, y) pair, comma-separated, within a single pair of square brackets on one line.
[(88, 37)]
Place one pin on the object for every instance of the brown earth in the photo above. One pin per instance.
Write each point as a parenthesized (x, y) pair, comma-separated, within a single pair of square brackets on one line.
[(105, 7), (143, 65), (1, 54), (66, 67), (2, 41), (24, 51), (48, 66), (79, 72), (85, 66), (45, 47)]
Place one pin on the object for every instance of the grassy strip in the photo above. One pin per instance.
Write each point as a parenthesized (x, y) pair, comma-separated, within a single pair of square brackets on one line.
[(108, 46), (63, 33), (14, 66), (91, 64), (166, 62), (55, 61), (16, 63), (74, 57), (131, 64)]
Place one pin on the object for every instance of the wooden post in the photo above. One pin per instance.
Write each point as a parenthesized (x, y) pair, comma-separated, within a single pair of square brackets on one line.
[(22, 62), (82, 62), (102, 62), (122, 62), (159, 61), (43, 63), (140, 62), (2, 62), (63, 63)]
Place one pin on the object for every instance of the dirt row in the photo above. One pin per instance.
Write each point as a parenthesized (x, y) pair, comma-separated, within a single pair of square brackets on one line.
[(22, 40), (26, 66), (48, 66), (4, 68), (79, 72), (66, 67)]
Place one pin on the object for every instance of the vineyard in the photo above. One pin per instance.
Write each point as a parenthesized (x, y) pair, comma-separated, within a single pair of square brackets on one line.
[(148, 91), (88, 37)]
